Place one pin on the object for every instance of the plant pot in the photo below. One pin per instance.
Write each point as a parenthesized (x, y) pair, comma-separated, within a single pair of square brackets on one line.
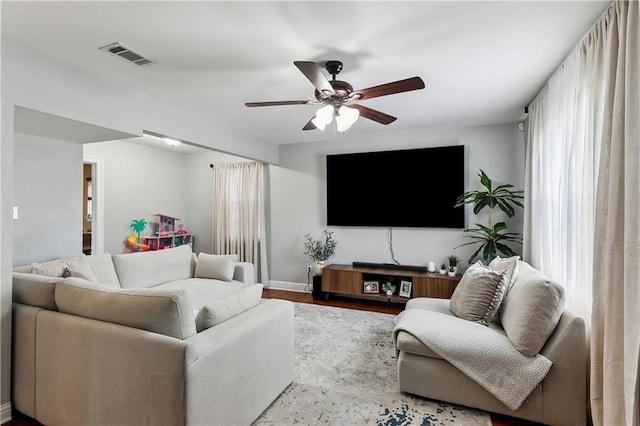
[(443, 272), (318, 267), (451, 273)]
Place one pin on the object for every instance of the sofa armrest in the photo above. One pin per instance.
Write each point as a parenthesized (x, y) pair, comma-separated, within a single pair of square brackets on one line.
[(566, 384), (245, 273)]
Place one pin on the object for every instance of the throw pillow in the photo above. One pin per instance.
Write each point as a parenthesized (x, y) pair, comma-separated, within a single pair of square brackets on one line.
[(216, 266), (478, 294), (228, 307), (56, 268), (509, 265), (532, 310), (68, 273)]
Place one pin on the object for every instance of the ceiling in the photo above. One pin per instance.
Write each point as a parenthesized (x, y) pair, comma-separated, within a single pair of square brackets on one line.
[(481, 61)]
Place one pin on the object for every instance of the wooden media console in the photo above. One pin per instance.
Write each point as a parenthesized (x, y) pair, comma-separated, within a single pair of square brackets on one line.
[(349, 280)]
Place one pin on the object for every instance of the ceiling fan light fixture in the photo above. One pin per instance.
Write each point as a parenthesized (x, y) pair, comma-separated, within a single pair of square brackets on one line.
[(323, 117), (345, 118)]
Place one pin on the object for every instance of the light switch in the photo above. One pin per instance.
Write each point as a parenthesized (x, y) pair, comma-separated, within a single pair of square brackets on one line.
[(15, 212)]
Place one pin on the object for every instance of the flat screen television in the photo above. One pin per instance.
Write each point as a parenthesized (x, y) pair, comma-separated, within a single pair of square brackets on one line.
[(413, 188)]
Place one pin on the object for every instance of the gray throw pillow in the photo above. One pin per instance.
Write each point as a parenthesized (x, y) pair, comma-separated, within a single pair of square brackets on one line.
[(479, 293), (509, 265), (531, 310), (56, 268), (216, 266)]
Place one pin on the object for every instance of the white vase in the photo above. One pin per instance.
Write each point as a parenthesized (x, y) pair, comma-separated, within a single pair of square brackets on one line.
[(318, 267)]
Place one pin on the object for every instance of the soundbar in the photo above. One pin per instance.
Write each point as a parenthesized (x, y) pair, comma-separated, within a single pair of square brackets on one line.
[(390, 266)]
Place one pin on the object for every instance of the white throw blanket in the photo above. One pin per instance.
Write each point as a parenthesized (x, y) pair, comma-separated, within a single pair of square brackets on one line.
[(481, 353)]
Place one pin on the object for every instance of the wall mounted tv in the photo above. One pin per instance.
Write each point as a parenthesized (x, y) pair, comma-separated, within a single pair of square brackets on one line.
[(413, 188)]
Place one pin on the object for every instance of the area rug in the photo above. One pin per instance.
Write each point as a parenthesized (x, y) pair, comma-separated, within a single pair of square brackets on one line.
[(345, 374)]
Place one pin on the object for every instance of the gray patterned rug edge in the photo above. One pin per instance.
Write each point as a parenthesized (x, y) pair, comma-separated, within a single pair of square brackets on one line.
[(345, 374)]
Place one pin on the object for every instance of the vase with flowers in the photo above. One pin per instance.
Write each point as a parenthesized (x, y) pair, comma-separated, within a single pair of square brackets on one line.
[(320, 250)]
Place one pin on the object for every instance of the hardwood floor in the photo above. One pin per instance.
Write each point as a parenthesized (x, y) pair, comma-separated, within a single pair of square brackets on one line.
[(342, 302)]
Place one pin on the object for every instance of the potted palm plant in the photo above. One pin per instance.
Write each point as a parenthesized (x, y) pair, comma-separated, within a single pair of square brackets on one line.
[(492, 239)]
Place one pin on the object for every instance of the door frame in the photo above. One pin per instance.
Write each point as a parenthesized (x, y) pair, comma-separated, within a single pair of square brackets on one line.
[(97, 202)]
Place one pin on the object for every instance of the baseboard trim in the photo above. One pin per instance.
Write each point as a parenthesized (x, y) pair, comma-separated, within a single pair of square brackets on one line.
[(5, 412), (289, 286)]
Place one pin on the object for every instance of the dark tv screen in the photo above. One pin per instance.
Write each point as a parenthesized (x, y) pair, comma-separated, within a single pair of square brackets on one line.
[(413, 188)]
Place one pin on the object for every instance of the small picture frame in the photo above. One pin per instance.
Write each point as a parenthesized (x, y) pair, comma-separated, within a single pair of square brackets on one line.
[(405, 288), (371, 287)]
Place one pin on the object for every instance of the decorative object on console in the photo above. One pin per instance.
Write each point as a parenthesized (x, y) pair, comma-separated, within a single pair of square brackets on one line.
[(443, 268), (388, 288), (320, 250), (491, 238), (371, 287), (451, 271), (405, 288), (431, 267), (453, 261)]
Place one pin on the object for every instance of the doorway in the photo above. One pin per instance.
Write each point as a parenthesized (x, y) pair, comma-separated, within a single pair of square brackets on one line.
[(87, 206), (93, 205)]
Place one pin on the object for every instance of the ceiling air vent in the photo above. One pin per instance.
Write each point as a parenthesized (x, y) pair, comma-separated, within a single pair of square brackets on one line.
[(122, 51)]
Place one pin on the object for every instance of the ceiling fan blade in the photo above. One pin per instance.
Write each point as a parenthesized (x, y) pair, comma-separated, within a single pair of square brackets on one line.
[(406, 85), (312, 71), (374, 115), (309, 126), (276, 103)]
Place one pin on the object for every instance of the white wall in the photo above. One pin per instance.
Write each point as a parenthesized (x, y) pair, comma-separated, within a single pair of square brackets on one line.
[(48, 192), (298, 198), (6, 256), (139, 181)]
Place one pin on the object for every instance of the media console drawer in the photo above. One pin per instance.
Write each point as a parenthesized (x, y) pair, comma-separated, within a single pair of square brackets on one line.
[(349, 280)]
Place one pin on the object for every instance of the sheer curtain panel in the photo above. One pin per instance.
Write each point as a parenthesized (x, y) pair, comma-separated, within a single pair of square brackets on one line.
[(239, 214), (582, 212)]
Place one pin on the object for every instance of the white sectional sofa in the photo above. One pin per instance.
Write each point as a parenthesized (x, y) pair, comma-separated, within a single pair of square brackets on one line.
[(156, 338)]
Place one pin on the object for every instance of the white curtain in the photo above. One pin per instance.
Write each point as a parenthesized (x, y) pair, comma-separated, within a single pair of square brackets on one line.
[(582, 211), (239, 214)]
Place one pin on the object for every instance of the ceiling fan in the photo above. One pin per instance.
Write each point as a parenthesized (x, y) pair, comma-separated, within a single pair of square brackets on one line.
[(337, 97)]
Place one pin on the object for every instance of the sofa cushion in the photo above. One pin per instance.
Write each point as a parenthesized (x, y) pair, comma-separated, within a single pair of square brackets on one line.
[(78, 266), (35, 290), (103, 269), (150, 268), (510, 266), (228, 307), (532, 309), (204, 290), (215, 266), (160, 311), (479, 293)]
